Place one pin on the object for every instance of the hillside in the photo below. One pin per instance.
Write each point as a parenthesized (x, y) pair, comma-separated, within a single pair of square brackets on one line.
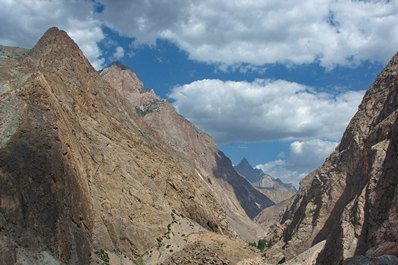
[(83, 177)]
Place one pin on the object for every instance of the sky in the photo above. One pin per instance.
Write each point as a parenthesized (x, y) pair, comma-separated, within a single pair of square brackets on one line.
[(275, 81)]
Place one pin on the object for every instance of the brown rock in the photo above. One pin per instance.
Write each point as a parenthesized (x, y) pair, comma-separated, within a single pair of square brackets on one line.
[(79, 169), (352, 200), (212, 167)]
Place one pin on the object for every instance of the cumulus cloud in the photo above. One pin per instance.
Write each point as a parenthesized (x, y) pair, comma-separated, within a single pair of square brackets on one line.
[(228, 33), (303, 157), (263, 32), (119, 53), (264, 109), (23, 22)]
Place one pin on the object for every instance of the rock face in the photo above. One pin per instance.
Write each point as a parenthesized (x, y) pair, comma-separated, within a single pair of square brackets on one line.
[(212, 167), (81, 175), (273, 188), (352, 200)]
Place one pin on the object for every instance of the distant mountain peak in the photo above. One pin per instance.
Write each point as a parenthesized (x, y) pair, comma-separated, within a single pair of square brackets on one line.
[(272, 187), (245, 169), (244, 162)]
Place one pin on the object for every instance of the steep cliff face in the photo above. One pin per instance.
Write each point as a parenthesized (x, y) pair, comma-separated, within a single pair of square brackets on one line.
[(80, 171), (352, 200), (213, 168)]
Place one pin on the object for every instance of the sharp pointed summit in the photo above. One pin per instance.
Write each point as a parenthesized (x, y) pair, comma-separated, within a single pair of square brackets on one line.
[(55, 47), (119, 65)]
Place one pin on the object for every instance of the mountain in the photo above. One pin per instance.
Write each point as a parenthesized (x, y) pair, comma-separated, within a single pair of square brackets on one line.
[(213, 168), (84, 180), (351, 202), (251, 174), (273, 188)]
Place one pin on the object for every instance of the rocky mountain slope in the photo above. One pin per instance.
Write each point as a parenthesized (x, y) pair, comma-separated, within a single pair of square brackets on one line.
[(273, 188), (213, 168), (82, 178), (351, 201)]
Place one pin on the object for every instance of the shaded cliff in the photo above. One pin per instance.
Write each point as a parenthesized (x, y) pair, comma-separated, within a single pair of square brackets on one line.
[(351, 201)]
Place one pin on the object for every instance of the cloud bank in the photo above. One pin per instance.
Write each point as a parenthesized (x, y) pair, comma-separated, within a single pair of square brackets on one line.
[(264, 109), (227, 33), (230, 33), (275, 110), (303, 157)]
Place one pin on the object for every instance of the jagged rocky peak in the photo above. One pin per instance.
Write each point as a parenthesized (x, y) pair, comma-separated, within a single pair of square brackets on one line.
[(273, 188), (122, 77), (57, 48), (351, 202), (245, 169), (126, 82)]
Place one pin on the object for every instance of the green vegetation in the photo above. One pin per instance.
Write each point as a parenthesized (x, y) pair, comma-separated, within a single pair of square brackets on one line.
[(102, 255), (252, 244), (139, 261), (261, 244)]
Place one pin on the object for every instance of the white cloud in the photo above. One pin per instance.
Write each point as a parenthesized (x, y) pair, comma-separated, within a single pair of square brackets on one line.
[(234, 34), (23, 22), (264, 110), (303, 157), (260, 32), (119, 53)]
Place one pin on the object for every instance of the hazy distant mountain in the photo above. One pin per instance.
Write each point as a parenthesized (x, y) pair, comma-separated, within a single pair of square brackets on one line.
[(273, 188), (251, 174)]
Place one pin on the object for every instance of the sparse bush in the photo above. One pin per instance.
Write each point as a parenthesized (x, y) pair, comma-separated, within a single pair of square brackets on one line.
[(102, 255), (262, 244)]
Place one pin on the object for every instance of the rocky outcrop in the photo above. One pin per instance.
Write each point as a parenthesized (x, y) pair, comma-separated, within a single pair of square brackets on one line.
[(80, 173), (352, 200), (212, 167), (273, 188)]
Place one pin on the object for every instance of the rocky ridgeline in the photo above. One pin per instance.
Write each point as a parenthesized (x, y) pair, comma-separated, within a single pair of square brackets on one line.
[(83, 178), (349, 206), (213, 168)]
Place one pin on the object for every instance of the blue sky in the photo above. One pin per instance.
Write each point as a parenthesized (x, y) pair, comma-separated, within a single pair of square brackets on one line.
[(273, 81)]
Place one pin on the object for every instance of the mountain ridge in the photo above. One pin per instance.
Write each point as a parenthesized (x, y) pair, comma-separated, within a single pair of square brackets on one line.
[(350, 202), (81, 175), (212, 166)]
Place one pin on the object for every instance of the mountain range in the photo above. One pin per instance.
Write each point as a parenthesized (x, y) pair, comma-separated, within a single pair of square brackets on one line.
[(96, 169), (92, 165)]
